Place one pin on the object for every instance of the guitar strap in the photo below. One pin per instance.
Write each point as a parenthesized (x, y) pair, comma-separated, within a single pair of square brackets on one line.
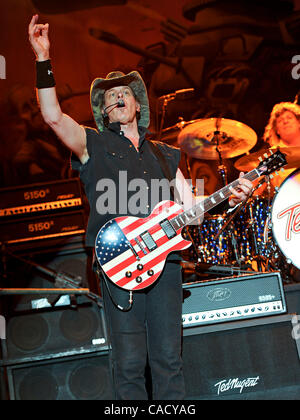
[(164, 166)]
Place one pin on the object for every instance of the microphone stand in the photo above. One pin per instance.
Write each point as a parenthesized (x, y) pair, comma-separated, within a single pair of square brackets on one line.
[(65, 283), (167, 99)]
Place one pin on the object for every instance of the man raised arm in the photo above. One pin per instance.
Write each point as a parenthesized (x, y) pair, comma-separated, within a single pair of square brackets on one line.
[(69, 131)]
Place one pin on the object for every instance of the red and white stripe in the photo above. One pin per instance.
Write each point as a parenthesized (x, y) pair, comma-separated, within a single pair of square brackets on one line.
[(132, 227)]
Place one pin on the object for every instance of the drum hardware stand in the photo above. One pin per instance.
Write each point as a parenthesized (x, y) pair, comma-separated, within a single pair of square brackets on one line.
[(268, 181), (231, 233), (231, 218), (252, 225), (221, 168), (64, 283), (194, 192)]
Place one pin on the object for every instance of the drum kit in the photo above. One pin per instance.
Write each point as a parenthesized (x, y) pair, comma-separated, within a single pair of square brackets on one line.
[(262, 234)]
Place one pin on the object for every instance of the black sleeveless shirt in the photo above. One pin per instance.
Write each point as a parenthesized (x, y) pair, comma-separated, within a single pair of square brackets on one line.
[(119, 180)]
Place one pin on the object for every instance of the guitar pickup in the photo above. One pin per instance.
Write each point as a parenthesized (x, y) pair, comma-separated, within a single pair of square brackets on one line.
[(168, 228), (148, 241)]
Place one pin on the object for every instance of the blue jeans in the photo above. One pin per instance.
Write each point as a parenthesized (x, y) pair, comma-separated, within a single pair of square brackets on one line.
[(150, 329)]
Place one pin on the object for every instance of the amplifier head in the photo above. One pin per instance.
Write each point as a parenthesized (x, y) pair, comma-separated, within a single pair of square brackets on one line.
[(234, 298)]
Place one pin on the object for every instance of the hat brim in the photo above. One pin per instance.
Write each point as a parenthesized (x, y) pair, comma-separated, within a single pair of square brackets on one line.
[(137, 85)]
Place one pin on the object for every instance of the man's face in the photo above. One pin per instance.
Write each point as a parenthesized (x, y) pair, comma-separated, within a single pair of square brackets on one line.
[(288, 128), (126, 114)]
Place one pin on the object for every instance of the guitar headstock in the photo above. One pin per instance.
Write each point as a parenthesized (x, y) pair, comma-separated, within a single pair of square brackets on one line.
[(271, 162)]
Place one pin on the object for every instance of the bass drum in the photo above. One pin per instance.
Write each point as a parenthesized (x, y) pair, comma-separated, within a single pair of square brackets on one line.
[(285, 217)]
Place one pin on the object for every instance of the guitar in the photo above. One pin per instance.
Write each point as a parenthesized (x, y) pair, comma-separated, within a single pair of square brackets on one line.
[(132, 251)]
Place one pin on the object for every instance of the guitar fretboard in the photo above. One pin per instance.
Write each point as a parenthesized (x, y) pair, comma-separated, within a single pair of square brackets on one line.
[(198, 210)]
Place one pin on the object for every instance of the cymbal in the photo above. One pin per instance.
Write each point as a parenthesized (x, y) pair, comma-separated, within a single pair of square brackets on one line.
[(249, 162), (170, 134), (201, 139)]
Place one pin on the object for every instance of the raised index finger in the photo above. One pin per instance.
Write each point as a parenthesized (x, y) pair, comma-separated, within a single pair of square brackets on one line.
[(33, 21)]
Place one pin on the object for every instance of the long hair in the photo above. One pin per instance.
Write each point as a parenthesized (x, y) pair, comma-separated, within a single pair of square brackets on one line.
[(270, 135)]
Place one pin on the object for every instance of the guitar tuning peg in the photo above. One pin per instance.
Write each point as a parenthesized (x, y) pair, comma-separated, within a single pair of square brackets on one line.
[(266, 155), (282, 170), (260, 159), (276, 172), (271, 151), (271, 176)]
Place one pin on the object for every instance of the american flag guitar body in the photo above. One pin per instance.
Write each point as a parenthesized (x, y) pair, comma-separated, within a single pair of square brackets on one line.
[(132, 251)]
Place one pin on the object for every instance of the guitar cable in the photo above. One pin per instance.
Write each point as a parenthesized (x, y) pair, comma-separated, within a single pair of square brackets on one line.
[(121, 308)]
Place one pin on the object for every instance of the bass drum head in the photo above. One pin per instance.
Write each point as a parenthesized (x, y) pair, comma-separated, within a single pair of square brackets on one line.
[(286, 218)]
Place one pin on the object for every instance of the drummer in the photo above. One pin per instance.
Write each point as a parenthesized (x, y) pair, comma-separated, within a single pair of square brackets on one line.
[(283, 130)]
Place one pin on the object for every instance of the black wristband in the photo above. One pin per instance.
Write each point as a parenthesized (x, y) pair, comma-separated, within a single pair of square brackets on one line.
[(44, 75)]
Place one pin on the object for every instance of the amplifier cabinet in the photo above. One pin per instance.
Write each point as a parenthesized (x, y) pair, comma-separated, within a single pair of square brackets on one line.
[(254, 359), (35, 198), (78, 377), (54, 333), (234, 298), (42, 227)]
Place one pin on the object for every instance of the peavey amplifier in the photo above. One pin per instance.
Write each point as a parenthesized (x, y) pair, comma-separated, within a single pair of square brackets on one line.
[(35, 198), (234, 298), (42, 227)]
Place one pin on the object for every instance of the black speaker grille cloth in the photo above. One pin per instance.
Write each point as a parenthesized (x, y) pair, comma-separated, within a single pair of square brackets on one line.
[(28, 333), (266, 351), (39, 384), (55, 331), (76, 378), (88, 381), (78, 326)]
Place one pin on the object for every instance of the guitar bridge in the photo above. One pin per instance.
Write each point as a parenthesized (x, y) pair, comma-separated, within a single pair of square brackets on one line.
[(141, 245)]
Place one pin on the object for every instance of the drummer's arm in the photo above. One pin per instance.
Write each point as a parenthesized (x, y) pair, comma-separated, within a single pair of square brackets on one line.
[(188, 199)]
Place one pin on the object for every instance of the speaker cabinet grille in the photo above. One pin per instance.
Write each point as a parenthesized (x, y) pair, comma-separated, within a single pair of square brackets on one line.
[(78, 378), (243, 360), (54, 333)]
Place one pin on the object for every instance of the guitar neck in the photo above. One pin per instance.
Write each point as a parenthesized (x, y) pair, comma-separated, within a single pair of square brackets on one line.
[(198, 210)]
